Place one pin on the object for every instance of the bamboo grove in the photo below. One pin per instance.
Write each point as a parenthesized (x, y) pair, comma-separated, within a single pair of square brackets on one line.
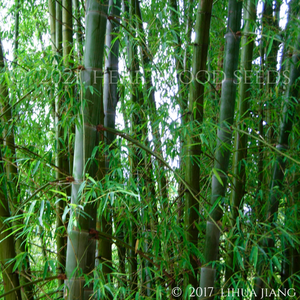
[(149, 149)]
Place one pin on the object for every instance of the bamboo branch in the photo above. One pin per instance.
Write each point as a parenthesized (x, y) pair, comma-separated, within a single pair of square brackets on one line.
[(31, 283)]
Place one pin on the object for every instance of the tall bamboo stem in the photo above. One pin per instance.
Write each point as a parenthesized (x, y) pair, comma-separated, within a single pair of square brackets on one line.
[(81, 246), (193, 151), (110, 99), (224, 136), (12, 171), (7, 245), (241, 140)]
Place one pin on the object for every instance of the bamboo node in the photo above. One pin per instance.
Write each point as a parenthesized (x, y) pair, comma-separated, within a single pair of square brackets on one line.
[(94, 234), (100, 127), (62, 276), (70, 179)]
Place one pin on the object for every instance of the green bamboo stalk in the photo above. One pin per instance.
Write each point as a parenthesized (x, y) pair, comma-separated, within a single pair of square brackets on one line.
[(125, 21), (52, 18), (239, 180), (122, 232), (17, 17), (78, 27), (175, 24), (110, 99), (137, 158), (60, 205), (216, 57), (294, 267), (58, 27), (7, 245), (151, 101), (153, 173), (12, 171), (121, 256), (123, 252), (285, 129), (144, 178), (241, 140), (187, 59), (266, 112), (148, 182), (103, 222), (111, 76), (68, 63), (187, 63), (52, 21), (182, 88), (62, 153), (148, 282), (270, 21), (222, 154), (280, 164), (136, 154), (67, 31), (260, 164), (193, 149), (289, 265), (81, 248)]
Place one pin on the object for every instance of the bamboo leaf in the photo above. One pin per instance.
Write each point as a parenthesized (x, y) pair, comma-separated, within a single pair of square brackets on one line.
[(30, 212), (36, 167), (254, 256), (216, 203), (59, 192), (276, 262), (52, 265), (19, 258), (217, 176), (238, 256), (112, 198), (66, 210), (270, 46), (45, 270)]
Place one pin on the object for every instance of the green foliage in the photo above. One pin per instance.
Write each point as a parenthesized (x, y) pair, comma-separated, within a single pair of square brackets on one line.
[(145, 220)]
